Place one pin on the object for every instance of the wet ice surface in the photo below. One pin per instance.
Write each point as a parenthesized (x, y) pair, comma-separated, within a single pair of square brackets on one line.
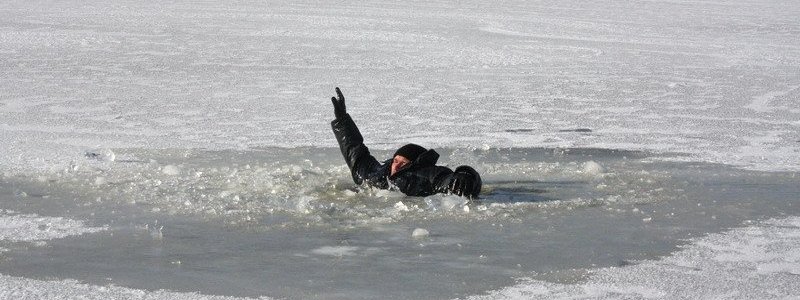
[(756, 262), (287, 222)]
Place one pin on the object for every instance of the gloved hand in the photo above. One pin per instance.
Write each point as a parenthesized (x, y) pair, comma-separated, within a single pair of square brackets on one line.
[(466, 182), (338, 105)]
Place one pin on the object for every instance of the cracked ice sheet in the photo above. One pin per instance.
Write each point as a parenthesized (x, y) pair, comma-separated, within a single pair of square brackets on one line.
[(754, 262)]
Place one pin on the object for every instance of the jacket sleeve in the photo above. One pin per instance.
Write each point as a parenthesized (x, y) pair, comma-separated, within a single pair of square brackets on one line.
[(356, 154), (440, 178)]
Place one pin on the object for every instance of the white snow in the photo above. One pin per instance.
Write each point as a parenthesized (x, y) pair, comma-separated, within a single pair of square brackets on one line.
[(23, 288)]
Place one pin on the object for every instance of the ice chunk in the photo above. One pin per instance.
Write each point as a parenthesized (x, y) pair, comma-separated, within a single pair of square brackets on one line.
[(592, 168), (338, 251), (303, 205), (420, 233), (171, 170), (451, 202), (400, 206)]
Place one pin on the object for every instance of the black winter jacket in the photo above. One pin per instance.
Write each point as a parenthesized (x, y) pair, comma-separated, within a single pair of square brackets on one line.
[(422, 177)]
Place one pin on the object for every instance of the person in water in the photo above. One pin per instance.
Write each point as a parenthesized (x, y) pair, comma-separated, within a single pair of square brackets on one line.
[(412, 169)]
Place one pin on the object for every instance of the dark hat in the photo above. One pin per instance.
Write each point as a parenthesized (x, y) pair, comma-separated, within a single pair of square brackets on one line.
[(410, 151)]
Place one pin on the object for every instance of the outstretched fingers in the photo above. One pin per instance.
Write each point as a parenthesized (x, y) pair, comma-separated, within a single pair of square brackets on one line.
[(339, 94), (338, 104)]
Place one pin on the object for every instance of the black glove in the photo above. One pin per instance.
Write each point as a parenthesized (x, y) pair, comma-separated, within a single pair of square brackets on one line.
[(466, 182), (338, 105)]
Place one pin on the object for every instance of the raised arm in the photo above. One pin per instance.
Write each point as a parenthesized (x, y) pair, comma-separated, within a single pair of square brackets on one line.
[(356, 154)]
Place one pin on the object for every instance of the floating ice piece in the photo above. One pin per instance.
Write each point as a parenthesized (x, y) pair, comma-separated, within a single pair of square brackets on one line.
[(420, 233), (338, 251), (303, 205), (451, 202), (592, 168), (400, 206), (171, 170)]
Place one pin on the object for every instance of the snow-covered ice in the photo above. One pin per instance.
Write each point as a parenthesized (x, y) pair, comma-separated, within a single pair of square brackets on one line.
[(177, 108), (714, 79)]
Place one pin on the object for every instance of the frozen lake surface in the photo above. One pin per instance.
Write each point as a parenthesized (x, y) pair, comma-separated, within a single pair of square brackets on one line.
[(620, 140)]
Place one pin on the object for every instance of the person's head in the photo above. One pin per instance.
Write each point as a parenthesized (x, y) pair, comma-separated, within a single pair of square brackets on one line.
[(404, 156)]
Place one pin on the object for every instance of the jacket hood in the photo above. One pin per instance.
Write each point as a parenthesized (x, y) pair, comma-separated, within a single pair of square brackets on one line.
[(427, 158)]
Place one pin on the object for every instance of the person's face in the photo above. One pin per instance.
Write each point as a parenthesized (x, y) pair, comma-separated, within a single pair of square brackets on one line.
[(398, 163)]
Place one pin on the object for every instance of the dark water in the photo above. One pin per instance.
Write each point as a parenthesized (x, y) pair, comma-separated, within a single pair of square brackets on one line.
[(286, 223)]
